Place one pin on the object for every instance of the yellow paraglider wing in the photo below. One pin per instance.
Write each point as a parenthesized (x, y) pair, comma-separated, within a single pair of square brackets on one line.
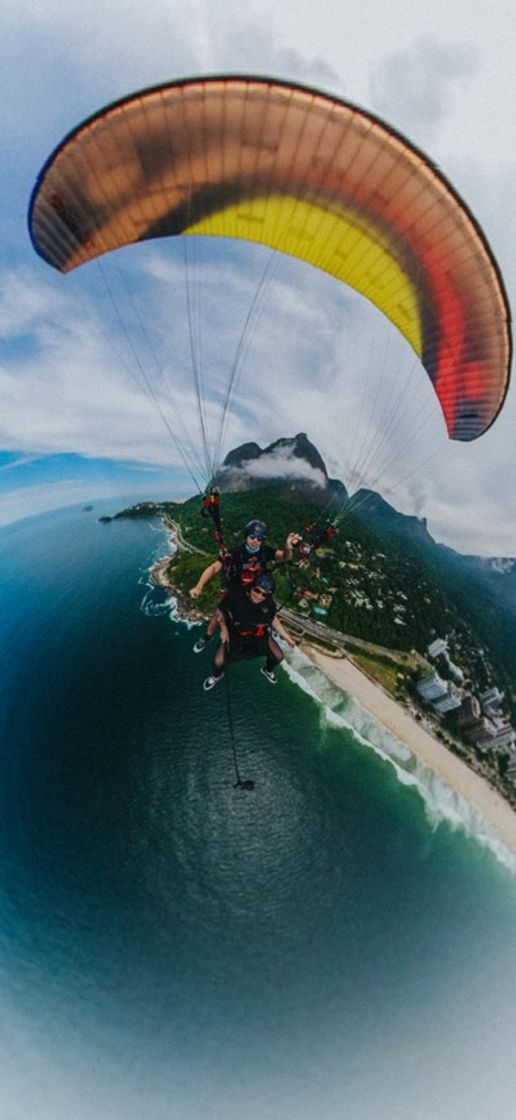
[(308, 175)]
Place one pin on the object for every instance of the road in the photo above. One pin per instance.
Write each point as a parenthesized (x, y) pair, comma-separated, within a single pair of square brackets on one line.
[(319, 630), (175, 528)]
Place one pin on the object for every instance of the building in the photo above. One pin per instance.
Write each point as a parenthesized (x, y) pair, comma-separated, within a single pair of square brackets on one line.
[(484, 731), (492, 701), (470, 713), (435, 649), (442, 695), (432, 688), (448, 703), (498, 733)]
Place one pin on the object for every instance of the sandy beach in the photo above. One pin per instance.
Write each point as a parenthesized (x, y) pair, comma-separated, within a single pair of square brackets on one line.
[(346, 675), (408, 731)]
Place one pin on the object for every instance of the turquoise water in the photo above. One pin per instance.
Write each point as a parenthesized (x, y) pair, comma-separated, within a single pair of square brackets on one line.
[(328, 945)]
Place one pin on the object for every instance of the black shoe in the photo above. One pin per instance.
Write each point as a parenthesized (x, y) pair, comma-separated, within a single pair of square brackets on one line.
[(269, 674), (200, 644)]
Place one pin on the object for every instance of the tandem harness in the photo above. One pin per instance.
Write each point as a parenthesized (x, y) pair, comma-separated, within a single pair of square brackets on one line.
[(232, 572), (313, 538), (260, 632)]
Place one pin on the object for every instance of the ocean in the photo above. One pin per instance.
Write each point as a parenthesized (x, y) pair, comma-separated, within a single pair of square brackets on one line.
[(339, 942)]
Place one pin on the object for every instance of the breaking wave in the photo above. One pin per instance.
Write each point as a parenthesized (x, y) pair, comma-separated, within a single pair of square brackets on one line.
[(441, 802)]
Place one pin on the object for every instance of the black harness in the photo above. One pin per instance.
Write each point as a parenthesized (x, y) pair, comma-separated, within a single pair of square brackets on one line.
[(312, 540)]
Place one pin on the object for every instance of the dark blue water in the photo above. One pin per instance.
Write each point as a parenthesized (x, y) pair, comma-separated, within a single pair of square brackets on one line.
[(173, 947)]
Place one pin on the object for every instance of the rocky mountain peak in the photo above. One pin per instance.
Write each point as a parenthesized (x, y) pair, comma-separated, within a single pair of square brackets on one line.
[(292, 461)]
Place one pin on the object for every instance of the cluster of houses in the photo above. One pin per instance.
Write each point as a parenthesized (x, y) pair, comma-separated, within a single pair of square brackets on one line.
[(482, 720), (319, 601), (378, 578)]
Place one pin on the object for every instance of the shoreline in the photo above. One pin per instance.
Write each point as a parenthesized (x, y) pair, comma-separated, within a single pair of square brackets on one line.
[(453, 771), (342, 672)]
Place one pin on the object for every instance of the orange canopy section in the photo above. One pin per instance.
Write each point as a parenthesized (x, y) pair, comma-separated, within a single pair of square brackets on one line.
[(308, 175)]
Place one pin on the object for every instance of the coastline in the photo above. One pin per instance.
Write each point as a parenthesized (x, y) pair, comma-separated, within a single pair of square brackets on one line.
[(453, 771), (186, 609), (342, 672)]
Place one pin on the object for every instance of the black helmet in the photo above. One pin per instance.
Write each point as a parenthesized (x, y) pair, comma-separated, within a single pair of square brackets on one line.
[(255, 529), (265, 583)]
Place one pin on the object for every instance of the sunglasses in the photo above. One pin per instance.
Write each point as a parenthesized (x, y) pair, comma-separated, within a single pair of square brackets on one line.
[(255, 537), (258, 591)]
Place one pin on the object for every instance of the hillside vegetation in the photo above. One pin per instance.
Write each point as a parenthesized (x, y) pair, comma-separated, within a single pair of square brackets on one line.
[(373, 583)]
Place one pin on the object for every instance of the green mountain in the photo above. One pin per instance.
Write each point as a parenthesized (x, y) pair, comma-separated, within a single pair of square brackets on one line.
[(382, 578)]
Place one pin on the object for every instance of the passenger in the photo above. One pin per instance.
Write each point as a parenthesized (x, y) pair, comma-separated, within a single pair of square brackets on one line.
[(246, 616)]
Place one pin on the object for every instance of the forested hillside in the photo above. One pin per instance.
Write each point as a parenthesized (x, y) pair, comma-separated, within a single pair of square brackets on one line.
[(383, 578)]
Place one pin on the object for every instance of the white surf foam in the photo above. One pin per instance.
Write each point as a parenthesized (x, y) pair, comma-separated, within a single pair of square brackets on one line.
[(441, 802)]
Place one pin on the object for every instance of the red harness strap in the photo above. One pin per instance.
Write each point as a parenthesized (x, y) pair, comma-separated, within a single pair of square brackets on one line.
[(258, 633)]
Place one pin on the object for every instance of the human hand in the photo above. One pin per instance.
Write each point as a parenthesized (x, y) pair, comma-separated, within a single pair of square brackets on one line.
[(194, 592), (293, 539)]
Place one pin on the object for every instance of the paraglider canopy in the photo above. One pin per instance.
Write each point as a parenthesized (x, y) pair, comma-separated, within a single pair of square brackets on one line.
[(308, 175)]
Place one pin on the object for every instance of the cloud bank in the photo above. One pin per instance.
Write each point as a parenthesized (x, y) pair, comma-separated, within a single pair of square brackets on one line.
[(415, 88)]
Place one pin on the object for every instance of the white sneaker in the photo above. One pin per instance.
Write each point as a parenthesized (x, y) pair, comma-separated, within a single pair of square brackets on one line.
[(210, 682), (269, 674), (200, 644)]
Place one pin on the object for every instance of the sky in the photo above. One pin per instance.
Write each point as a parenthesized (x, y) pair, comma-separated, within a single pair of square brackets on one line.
[(75, 424)]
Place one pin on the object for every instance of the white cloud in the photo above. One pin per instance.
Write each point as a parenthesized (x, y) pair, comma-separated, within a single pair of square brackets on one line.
[(16, 505), (414, 88), (319, 360), (18, 462), (25, 303), (279, 463), (313, 360)]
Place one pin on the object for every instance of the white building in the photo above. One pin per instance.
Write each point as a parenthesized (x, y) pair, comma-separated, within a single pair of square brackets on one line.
[(492, 701), (435, 649), (448, 703), (432, 688)]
